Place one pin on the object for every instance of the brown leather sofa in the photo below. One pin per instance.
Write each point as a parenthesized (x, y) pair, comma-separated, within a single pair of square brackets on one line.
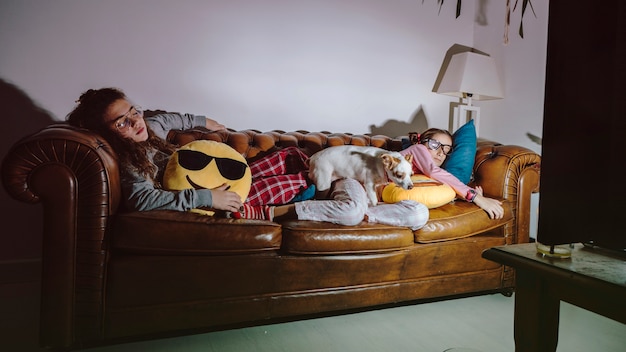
[(110, 276)]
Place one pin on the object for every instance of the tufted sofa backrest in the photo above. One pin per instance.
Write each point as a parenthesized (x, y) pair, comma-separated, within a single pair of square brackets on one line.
[(253, 144)]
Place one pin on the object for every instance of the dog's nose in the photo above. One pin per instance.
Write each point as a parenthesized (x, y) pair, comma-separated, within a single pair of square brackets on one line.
[(410, 186)]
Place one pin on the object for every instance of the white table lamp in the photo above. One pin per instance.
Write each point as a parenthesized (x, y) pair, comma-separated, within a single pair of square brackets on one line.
[(470, 76)]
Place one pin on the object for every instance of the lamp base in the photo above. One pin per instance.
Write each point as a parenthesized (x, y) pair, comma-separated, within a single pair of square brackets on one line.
[(464, 113)]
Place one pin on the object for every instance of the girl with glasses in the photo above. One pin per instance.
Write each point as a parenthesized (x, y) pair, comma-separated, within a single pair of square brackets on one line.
[(430, 151), (143, 152)]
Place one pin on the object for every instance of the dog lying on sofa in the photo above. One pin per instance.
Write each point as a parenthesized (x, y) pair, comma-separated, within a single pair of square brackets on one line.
[(371, 166)]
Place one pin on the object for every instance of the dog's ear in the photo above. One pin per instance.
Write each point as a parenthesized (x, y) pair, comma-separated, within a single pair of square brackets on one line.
[(389, 162), (409, 158)]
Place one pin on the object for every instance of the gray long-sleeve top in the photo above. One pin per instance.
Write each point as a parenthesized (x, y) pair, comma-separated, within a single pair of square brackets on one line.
[(141, 194)]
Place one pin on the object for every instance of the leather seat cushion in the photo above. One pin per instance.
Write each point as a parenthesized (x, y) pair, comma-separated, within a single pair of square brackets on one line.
[(315, 237), (460, 219), (186, 233)]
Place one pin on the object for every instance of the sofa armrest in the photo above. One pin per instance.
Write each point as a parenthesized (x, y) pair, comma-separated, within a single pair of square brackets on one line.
[(74, 175), (511, 173)]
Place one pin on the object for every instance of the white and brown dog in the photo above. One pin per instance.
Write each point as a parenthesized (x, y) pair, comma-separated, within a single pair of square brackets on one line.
[(371, 166)]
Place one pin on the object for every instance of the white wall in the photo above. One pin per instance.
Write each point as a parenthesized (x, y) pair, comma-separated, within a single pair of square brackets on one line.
[(337, 65), (522, 65)]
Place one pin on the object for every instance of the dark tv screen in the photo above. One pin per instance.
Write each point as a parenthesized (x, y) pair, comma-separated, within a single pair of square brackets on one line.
[(583, 177)]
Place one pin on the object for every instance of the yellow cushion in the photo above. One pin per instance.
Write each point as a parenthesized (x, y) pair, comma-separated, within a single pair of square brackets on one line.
[(425, 190), (208, 164)]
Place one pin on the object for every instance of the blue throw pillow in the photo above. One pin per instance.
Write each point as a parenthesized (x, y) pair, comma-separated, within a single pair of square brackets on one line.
[(461, 162)]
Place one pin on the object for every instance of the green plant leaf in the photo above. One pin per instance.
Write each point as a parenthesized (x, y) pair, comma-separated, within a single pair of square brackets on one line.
[(525, 4), (459, 4)]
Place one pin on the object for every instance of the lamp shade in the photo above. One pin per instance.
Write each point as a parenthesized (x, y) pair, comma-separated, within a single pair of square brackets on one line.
[(471, 73)]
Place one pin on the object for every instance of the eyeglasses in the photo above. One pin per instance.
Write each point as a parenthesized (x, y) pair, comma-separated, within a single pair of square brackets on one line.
[(434, 144), (124, 122)]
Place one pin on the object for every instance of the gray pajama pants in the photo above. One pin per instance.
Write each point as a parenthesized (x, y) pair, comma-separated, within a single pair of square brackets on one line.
[(348, 205)]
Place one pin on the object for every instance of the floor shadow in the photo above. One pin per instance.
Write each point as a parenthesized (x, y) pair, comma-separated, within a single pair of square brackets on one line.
[(21, 222)]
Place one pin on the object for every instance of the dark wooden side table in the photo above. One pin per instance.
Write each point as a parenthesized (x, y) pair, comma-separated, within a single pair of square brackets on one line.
[(591, 279)]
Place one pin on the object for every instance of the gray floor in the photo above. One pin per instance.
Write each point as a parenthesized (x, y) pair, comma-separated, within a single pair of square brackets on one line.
[(481, 323)]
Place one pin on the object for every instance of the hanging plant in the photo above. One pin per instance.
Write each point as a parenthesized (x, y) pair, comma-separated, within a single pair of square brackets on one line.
[(507, 21)]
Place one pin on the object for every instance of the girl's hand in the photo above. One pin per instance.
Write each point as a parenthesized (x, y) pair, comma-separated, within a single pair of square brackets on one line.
[(214, 125), (226, 200), (493, 207)]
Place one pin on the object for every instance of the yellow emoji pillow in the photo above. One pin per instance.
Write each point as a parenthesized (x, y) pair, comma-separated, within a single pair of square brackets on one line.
[(425, 190), (207, 164)]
